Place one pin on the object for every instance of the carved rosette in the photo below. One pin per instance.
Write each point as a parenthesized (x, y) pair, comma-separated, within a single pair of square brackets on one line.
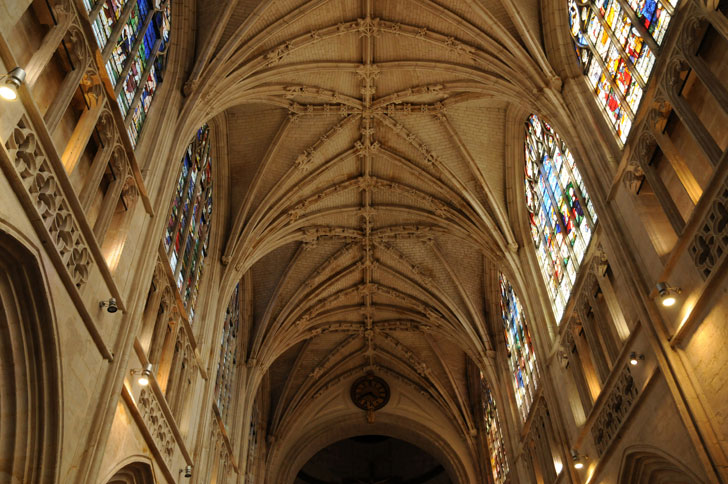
[(42, 185)]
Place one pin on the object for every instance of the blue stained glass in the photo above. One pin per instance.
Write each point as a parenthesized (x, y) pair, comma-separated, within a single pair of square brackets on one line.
[(555, 195)]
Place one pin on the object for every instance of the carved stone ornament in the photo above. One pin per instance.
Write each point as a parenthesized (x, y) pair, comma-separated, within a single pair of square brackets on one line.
[(614, 411), (711, 242), (633, 177), (40, 181), (157, 424)]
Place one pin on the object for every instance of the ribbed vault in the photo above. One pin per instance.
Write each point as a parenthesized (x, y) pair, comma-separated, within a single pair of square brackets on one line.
[(368, 189)]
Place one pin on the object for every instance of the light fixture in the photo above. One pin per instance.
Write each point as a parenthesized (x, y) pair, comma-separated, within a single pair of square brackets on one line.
[(110, 305), (186, 472), (667, 293), (12, 81), (578, 459), (634, 358), (144, 374)]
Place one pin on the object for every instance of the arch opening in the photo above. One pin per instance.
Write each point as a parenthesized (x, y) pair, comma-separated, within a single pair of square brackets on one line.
[(372, 458)]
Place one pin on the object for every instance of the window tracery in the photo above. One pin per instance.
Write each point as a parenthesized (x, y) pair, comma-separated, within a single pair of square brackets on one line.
[(494, 437), (561, 214), (188, 226), (227, 364), (139, 31), (617, 42), (519, 347)]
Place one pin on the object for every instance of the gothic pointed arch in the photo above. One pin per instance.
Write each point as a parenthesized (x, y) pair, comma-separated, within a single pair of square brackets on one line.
[(643, 464), (29, 375), (561, 214), (138, 472)]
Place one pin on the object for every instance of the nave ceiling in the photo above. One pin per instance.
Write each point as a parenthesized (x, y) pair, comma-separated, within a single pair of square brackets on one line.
[(366, 143)]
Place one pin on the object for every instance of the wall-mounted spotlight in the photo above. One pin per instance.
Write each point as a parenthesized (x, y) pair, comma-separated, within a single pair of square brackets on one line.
[(110, 305), (186, 472), (635, 358), (668, 294), (11, 82), (144, 374), (578, 459)]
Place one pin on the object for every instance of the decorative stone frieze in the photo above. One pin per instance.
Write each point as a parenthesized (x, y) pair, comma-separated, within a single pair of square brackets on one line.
[(39, 179), (711, 242), (615, 410), (156, 423)]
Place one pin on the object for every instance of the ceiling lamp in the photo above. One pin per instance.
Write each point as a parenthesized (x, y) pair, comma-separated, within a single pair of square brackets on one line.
[(667, 293), (11, 82)]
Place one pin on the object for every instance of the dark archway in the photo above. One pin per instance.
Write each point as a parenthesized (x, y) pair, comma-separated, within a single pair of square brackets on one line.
[(133, 473), (29, 374), (372, 459), (650, 465)]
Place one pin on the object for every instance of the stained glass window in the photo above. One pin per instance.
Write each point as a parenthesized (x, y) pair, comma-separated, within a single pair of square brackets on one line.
[(226, 366), (188, 227), (136, 61), (616, 41), (252, 446), (561, 214), (494, 437), (521, 356)]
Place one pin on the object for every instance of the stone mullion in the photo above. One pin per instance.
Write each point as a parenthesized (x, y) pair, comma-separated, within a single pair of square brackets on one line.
[(175, 367), (96, 173), (687, 115), (719, 22), (60, 103), (48, 47), (156, 343), (587, 364), (151, 313), (708, 79), (668, 148), (108, 208), (605, 335), (620, 328), (663, 195), (577, 370), (116, 31), (595, 346), (82, 133)]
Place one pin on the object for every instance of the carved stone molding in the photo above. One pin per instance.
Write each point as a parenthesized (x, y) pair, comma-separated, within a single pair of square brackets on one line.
[(614, 411), (633, 177), (157, 424), (711, 242), (42, 185)]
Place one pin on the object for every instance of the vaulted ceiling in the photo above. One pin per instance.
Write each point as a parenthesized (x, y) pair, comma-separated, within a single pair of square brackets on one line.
[(366, 142)]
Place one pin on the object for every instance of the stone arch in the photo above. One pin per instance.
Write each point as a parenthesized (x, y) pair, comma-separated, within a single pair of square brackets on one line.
[(29, 372), (136, 472), (284, 463), (644, 464)]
